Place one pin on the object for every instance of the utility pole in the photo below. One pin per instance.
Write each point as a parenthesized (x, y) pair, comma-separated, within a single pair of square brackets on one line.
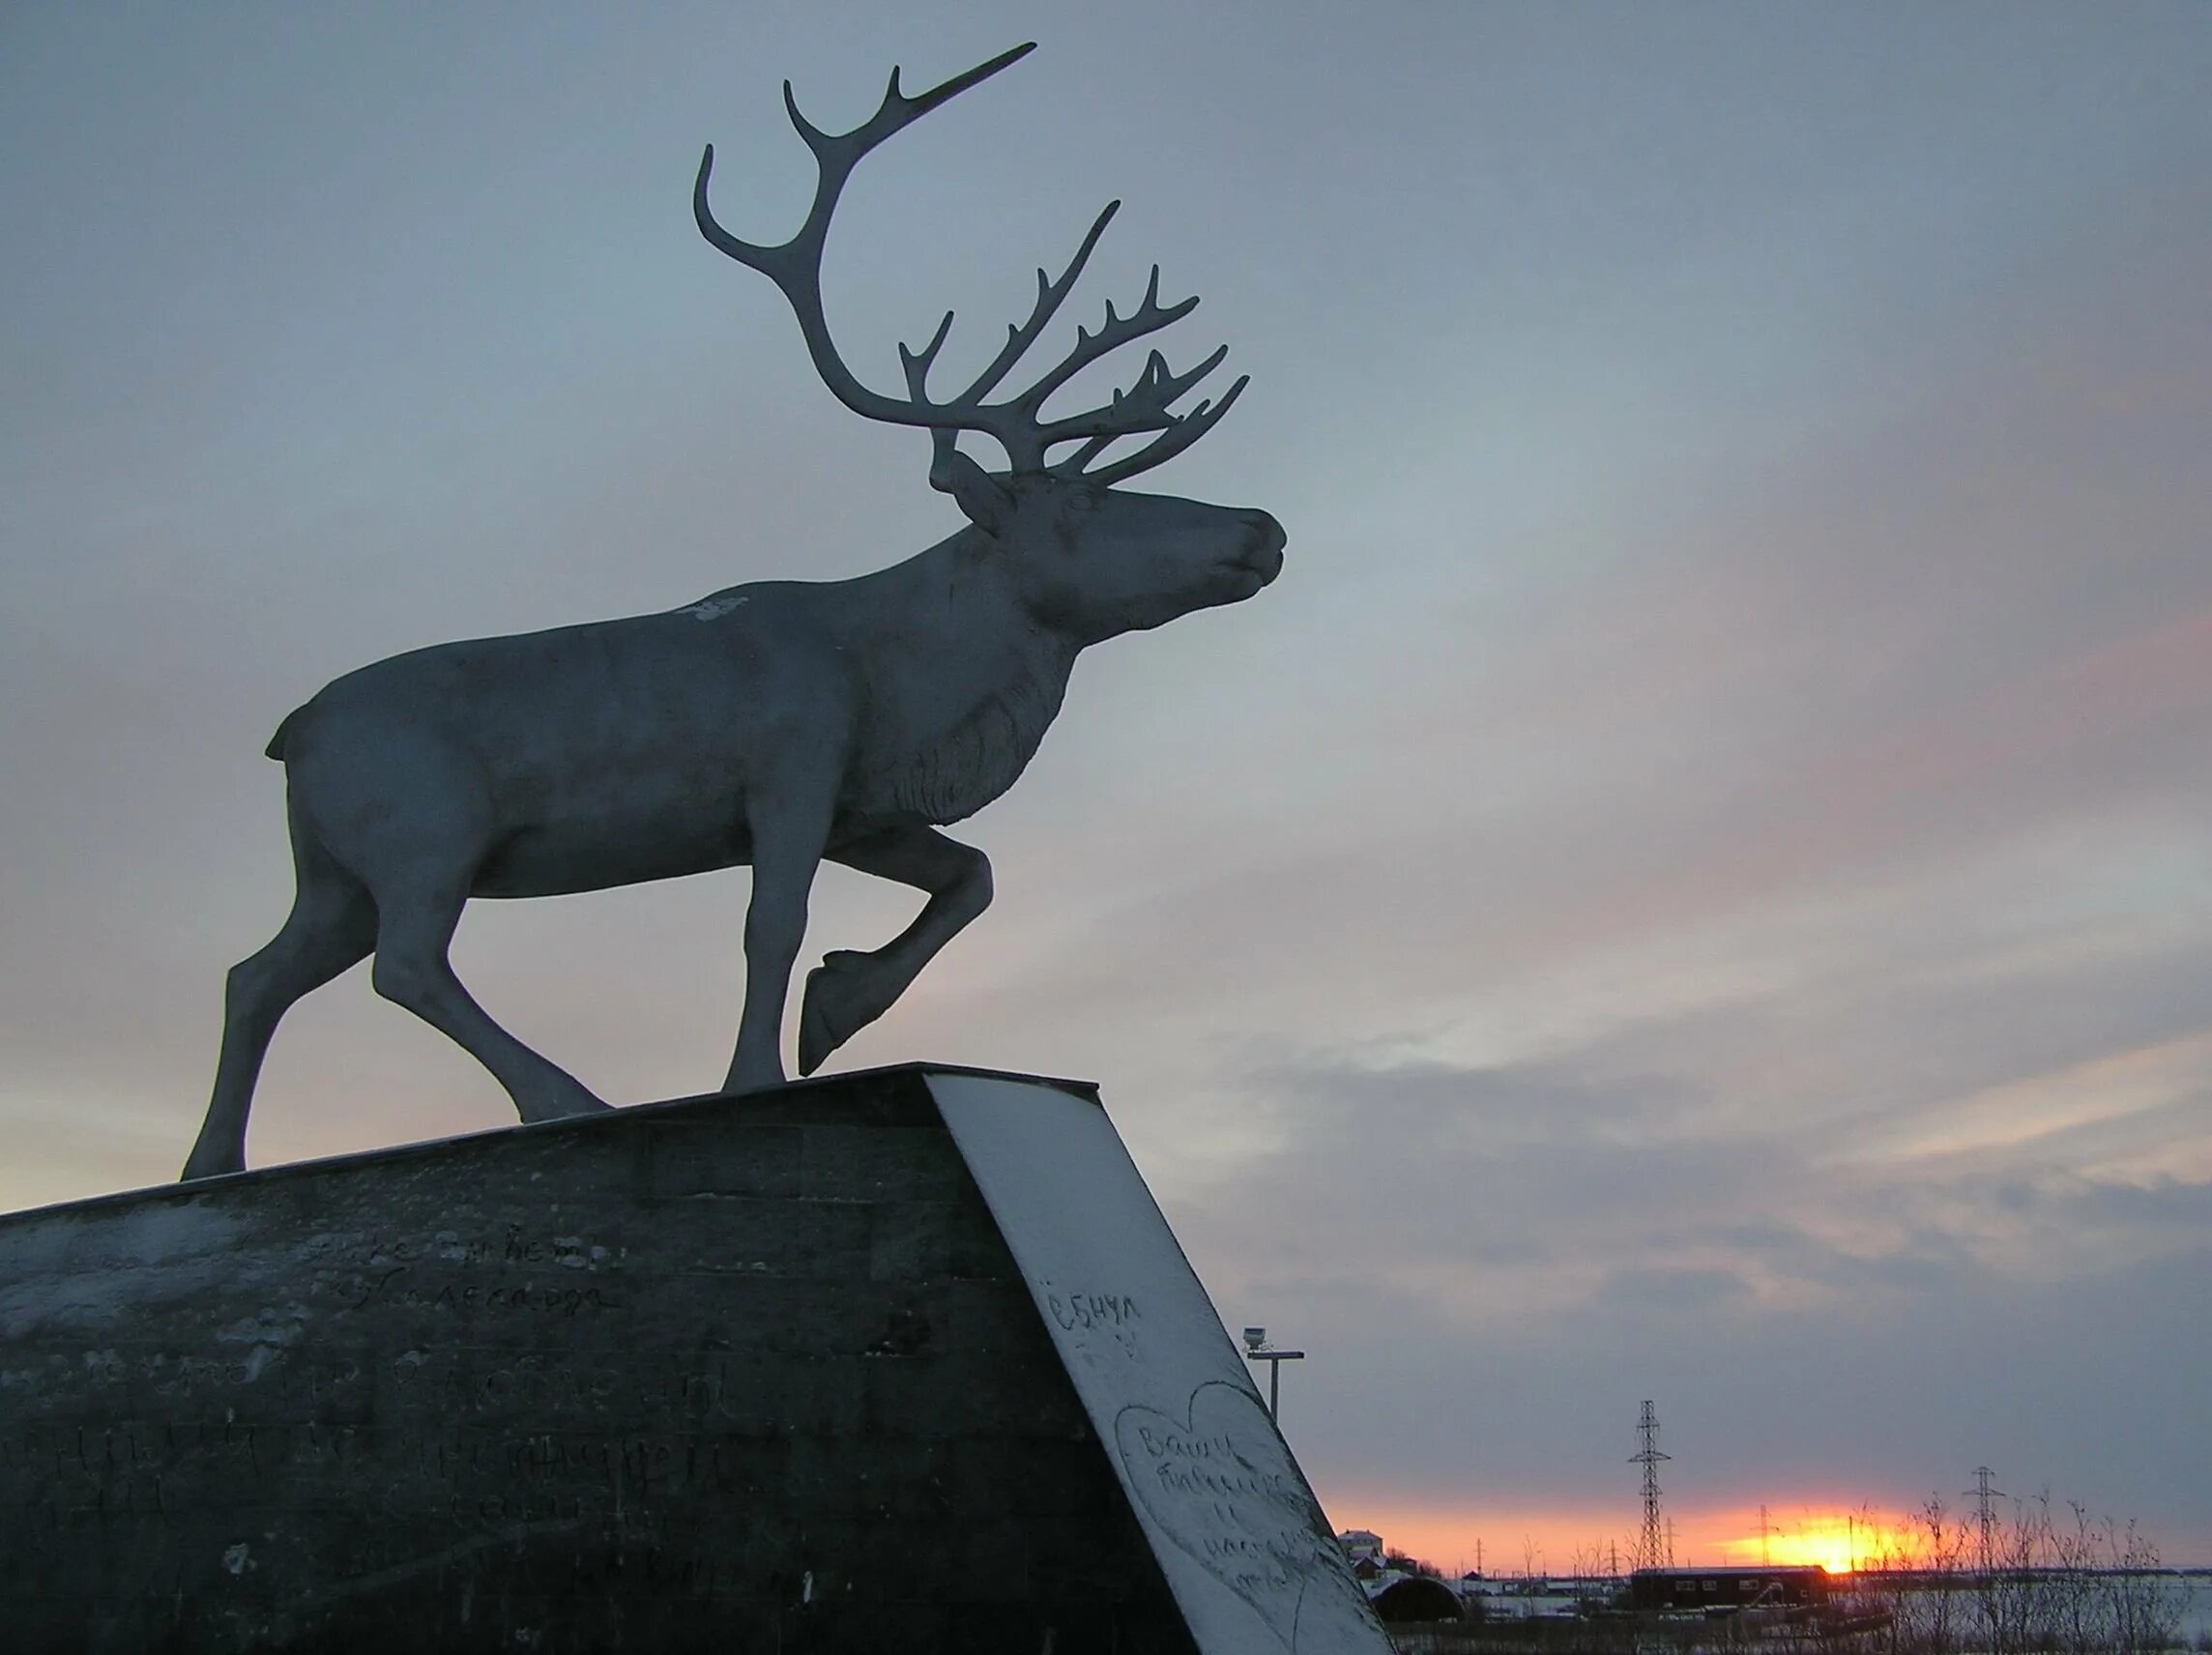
[(1652, 1541), (1982, 1495), (1765, 1561)]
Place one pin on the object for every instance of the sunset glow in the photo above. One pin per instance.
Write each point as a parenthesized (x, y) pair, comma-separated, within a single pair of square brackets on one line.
[(1829, 1548), (1838, 1544), (1593, 1542)]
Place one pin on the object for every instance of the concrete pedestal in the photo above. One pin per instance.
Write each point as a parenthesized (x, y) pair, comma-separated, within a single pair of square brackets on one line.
[(758, 1375)]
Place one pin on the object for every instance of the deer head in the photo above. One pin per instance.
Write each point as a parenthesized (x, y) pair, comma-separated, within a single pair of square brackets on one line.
[(1080, 557)]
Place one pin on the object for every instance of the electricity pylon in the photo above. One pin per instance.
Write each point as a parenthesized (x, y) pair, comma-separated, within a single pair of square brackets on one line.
[(1654, 1549)]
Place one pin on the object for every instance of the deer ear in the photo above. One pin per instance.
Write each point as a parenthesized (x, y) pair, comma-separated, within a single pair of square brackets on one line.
[(983, 497)]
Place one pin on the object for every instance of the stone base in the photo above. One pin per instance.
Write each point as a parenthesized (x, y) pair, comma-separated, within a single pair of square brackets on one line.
[(740, 1375)]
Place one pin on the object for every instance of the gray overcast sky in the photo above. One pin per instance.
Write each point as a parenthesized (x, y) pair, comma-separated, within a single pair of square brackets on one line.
[(1695, 885)]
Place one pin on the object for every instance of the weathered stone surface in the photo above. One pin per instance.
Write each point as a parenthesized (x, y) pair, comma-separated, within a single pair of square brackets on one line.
[(750, 1375)]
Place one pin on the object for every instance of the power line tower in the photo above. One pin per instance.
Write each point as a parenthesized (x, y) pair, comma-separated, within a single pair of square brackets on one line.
[(1765, 1529), (1982, 1495), (1654, 1549)]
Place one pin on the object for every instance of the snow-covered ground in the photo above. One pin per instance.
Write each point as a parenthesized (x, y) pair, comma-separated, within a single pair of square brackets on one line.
[(2196, 1598)]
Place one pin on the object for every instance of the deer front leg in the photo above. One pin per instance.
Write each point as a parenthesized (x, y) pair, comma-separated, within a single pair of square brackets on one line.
[(790, 828), (848, 991)]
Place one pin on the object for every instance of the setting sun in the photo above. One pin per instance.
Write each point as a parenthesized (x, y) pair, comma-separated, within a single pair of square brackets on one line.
[(1841, 1544), (1829, 1548), (1594, 1540)]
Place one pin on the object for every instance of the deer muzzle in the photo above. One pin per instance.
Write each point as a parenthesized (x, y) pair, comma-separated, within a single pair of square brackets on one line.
[(1263, 549)]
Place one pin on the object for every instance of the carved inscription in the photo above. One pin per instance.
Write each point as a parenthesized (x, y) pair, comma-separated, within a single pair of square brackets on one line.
[(1092, 1316), (1219, 1483), (1092, 1310), (393, 1288), (401, 1273)]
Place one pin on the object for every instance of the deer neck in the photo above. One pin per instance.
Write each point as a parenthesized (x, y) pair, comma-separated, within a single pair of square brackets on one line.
[(949, 617), (961, 683)]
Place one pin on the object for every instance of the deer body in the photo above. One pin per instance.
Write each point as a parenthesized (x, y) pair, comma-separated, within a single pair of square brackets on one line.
[(777, 724), (620, 751)]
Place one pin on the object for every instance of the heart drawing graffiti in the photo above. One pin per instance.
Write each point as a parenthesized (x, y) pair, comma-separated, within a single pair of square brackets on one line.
[(1221, 1485)]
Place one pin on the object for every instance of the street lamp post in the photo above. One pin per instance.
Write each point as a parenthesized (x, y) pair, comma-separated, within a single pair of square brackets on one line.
[(1258, 1349)]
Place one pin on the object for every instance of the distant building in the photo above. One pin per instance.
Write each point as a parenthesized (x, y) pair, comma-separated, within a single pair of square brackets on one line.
[(1415, 1598), (1789, 1586), (1361, 1544)]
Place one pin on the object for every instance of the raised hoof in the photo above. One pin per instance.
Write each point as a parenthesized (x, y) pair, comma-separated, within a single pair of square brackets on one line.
[(834, 1007)]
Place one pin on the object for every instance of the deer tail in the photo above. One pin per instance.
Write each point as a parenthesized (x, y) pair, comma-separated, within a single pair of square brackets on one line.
[(276, 747)]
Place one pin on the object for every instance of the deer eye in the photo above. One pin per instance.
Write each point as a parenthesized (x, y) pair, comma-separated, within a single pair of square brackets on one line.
[(1082, 500)]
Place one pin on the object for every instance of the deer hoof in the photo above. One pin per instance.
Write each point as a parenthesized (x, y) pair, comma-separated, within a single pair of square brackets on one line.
[(560, 1102), (838, 1004)]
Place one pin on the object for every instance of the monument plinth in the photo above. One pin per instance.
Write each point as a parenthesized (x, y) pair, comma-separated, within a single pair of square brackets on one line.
[(901, 1361)]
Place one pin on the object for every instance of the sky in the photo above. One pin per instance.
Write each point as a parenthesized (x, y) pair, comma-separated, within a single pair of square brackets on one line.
[(1695, 885)]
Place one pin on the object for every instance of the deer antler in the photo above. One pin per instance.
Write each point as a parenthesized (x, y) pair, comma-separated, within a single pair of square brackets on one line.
[(1148, 402), (1016, 423), (796, 266)]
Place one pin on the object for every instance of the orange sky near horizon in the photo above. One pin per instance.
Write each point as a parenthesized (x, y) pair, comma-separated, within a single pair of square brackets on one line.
[(1570, 1541)]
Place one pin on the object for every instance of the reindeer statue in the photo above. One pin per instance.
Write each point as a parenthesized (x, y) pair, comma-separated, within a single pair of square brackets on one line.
[(775, 724)]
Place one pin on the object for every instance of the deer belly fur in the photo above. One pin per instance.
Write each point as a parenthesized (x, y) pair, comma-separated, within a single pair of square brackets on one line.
[(561, 859)]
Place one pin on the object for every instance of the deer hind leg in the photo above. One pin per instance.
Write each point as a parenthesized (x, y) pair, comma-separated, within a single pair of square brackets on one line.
[(848, 991), (332, 926), (413, 934)]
